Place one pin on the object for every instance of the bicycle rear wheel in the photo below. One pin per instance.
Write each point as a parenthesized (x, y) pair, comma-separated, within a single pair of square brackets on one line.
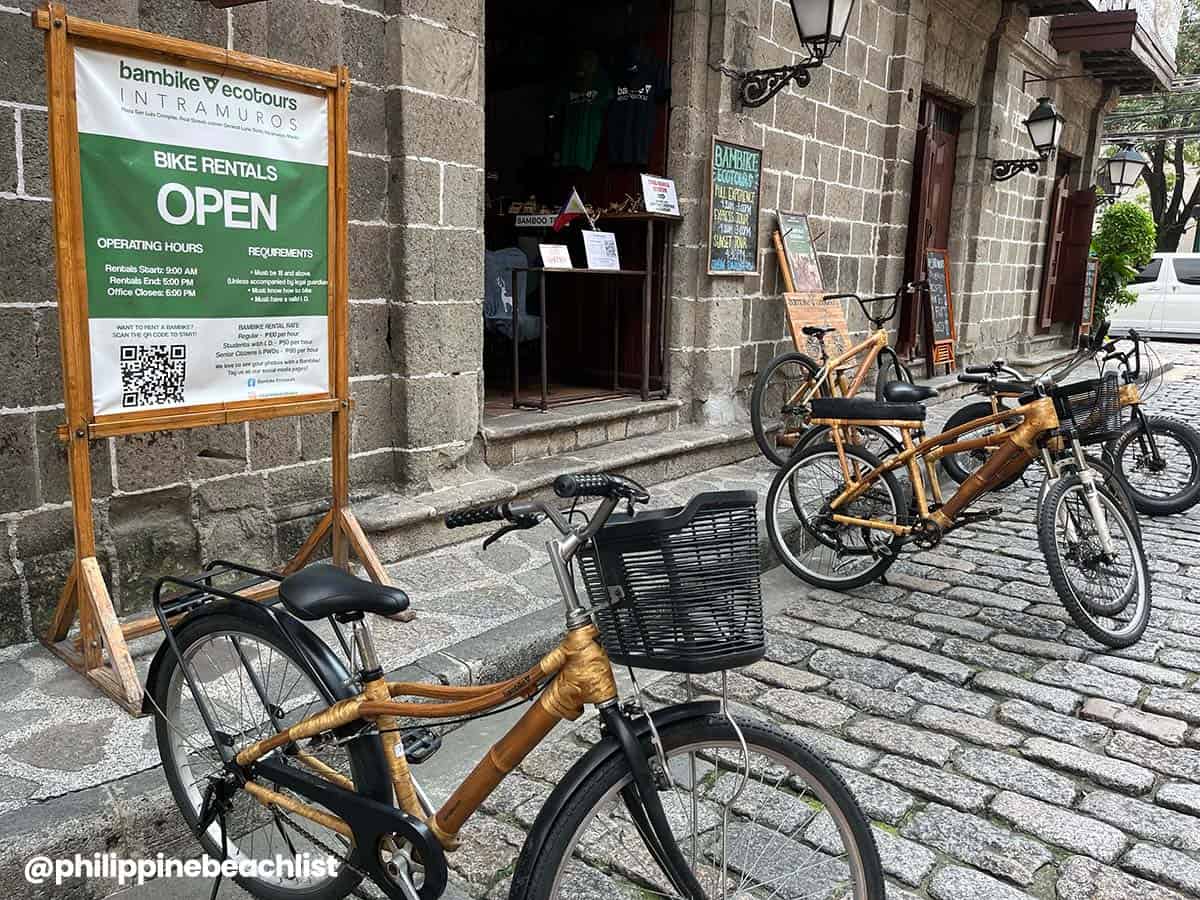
[(962, 465), (228, 653), (1107, 593), (775, 822), (778, 412), (1161, 470), (802, 533)]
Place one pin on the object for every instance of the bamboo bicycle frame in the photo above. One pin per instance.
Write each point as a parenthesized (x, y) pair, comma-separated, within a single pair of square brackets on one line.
[(832, 371), (582, 675), (1015, 447)]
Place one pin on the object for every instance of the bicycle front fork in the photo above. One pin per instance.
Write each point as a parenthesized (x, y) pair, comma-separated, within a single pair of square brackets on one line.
[(1091, 494)]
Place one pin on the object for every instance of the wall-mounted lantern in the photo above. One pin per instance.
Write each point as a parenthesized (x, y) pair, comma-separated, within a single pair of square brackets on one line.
[(1123, 168), (1045, 127), (821, 25)]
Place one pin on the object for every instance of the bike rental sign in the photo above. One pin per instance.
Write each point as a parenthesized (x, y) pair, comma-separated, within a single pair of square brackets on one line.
[(205, 208)]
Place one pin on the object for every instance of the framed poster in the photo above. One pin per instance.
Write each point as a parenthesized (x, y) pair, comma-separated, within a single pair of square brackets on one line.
[(941, 307), (1091, 286), (205, 234), (800, 256), (734, 189)]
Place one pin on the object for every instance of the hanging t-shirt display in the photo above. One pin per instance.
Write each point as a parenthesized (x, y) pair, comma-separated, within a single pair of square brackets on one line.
[(639, 85), (583, 109)]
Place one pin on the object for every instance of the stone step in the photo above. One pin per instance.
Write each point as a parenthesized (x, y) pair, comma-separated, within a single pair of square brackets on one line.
[(403, 525), (516, 436)]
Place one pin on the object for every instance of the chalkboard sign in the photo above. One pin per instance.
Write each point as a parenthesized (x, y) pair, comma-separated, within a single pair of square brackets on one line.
[(1091, 285), (941, 306), (733, 196), (800, 256)]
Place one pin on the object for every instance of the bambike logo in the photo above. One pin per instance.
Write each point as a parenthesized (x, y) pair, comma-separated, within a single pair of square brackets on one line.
[(205, 96)]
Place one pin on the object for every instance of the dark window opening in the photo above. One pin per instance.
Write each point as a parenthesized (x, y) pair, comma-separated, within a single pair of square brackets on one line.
[(577, 98), (1187, 271)]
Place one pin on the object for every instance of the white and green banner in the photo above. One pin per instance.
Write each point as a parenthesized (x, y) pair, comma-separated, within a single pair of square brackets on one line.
[(205, 221)]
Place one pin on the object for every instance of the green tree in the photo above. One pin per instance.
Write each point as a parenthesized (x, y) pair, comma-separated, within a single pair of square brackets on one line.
[(1171, 203), (1124, 242)]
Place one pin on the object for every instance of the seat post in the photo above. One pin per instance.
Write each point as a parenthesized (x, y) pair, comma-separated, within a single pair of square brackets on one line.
[(363, 642)]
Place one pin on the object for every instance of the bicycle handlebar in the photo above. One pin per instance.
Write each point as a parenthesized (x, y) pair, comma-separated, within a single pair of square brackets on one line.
[(478, 516), (600, 484)]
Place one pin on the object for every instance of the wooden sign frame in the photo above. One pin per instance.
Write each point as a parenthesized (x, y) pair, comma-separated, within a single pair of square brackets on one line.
[(785, 260), (101, 650), (941, 352), (1091, 290), (712, 161)]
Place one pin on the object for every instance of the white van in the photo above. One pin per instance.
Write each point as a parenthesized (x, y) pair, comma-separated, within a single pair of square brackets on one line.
[(1168, 303)]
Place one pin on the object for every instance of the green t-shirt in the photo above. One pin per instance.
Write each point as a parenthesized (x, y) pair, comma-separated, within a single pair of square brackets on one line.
[(583, 121)]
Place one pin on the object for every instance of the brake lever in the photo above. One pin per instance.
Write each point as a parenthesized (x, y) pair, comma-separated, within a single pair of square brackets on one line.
[(520, 523)]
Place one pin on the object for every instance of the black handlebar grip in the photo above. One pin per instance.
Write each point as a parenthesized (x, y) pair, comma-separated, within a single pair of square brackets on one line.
[(585, 484), (1011, 387), (970, 377), (979, 370), (477, 516)]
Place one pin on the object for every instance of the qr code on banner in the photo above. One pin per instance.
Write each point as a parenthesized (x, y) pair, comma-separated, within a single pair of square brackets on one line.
[(152, 374)]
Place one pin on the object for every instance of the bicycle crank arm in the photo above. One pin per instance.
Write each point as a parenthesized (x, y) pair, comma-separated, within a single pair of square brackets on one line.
[(646, 808), (370, 821)]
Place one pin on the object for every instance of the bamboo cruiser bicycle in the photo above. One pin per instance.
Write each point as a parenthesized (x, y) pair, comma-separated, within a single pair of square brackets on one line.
[(838, 516), (1155, 459), (780, 405), (276, 746)]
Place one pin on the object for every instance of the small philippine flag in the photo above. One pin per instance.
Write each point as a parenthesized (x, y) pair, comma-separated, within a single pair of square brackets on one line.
[(572, 209)]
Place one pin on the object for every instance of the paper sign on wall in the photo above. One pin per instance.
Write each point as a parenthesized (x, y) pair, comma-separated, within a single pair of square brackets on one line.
[(555, 256), (659, 196), (206, 241), (601, 249)]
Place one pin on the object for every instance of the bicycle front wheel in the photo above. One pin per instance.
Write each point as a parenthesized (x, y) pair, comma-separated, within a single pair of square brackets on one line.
[(779, 403), (773, 822), (1106, 590), (1158, 460)]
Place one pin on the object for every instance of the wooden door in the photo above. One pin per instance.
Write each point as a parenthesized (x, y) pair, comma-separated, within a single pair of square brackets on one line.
[(929, 215), (1067, 249)]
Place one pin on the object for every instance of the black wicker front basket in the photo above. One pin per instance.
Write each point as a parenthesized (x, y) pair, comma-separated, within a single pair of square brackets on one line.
[(1092, 409), (678, 589)]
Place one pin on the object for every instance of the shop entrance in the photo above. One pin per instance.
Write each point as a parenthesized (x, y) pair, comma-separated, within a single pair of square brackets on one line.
[(577, 100), (929, 216)]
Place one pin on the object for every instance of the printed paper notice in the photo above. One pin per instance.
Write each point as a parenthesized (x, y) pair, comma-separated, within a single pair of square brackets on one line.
[(601, 249), (659, 195), (555, 256)]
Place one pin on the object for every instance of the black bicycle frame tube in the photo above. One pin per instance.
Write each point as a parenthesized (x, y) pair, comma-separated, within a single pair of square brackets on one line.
[(645, 807)]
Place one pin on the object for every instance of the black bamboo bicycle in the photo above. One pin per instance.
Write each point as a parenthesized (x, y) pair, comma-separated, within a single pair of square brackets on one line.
[(274, 745)]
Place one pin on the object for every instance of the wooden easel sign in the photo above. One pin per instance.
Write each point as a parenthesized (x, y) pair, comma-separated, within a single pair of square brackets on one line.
[(813, 309), (797, 255), (1091, 288), (200, 218), (941, 308)]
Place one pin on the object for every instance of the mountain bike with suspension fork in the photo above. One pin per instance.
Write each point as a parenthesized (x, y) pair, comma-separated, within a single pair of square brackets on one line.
[(838, 516), (780, 404), (275, 745), (1154, 460)]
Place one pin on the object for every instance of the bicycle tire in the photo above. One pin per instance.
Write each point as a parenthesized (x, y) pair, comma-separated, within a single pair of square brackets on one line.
[(952, 463), (1186, 436), (538, 876), (759, 396), (369, 778), (1074, 602), (1109, 477), (776, 533)]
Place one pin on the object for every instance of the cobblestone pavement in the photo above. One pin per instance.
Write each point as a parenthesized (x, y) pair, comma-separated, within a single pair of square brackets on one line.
[(975, 724), (999, 751)]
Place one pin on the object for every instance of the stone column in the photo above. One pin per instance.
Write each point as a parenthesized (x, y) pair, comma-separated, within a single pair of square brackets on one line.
[(433, 234)]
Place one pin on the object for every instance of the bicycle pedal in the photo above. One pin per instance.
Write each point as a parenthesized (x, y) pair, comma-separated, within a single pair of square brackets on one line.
[(420, 744), (980, 515)]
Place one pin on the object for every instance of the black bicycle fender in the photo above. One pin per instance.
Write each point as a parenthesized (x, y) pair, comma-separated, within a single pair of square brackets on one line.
[(328, 668), (579, 774)]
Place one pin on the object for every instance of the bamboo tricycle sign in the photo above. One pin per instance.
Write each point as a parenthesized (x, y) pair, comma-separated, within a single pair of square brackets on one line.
[(200, 232)]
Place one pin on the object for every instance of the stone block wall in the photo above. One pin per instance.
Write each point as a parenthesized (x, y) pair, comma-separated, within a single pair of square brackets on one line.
[(842, 150), (166, 501)]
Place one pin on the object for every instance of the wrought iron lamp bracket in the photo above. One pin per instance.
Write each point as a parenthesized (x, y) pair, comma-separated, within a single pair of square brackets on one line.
[(759, 86), (1004, 169)]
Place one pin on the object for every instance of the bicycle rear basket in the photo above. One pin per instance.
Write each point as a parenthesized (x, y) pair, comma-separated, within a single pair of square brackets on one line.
[(678, 589), (1090, 408)]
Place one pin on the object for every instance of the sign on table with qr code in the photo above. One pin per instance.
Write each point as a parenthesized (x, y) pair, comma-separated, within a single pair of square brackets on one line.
[(205, 234)]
